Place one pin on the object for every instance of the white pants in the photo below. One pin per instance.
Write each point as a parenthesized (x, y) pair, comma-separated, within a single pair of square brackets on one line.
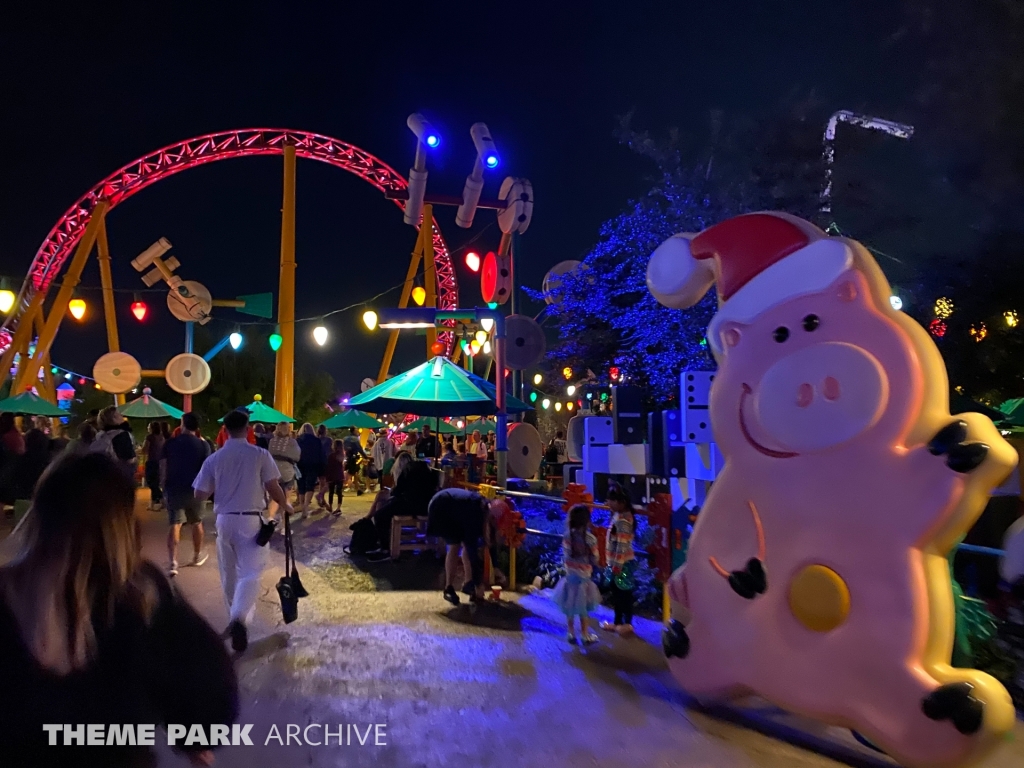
[(241, 561)]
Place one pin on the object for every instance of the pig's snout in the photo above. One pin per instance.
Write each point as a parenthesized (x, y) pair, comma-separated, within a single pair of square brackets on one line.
[(821, 396)]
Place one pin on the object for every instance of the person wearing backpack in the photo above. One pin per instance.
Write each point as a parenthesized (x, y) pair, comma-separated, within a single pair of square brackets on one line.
[(114, 440)]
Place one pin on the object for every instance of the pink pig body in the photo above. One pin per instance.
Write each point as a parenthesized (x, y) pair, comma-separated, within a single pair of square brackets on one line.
[(813, 428)]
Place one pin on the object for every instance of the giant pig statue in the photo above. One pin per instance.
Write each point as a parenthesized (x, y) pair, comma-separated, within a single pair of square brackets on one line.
[(817, 573)]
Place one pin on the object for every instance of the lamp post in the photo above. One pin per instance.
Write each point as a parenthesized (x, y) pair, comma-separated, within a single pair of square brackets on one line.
[(428, 317)]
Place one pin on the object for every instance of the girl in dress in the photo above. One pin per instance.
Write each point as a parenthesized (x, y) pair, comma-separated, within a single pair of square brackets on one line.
[(576, 594)]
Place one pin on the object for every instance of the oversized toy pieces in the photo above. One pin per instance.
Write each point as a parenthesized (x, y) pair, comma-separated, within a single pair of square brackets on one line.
[(817, 574)]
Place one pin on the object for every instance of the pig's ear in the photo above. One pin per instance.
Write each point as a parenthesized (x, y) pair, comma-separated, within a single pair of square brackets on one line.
[(674, 277), (849, 286), (726, 334)]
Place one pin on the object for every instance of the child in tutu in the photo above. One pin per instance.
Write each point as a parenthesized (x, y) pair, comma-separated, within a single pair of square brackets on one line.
[(577, 594)]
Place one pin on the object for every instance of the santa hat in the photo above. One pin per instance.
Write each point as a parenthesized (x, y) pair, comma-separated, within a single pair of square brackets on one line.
[(757, 260)]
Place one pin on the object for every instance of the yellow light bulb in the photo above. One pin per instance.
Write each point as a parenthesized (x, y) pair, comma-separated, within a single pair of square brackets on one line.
[(570, 405), (6, 300), (77, 308), (475, 346), (481, 337), (567, 372), (419, 295), (370, 319), (537, 379), (558, 406), (487, 347)]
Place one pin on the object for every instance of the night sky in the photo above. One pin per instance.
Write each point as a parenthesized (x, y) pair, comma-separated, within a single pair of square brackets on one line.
[(88, 90)]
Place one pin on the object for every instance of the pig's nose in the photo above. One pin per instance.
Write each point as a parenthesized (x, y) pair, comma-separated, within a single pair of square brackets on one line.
[(831, 388), (804, 395)]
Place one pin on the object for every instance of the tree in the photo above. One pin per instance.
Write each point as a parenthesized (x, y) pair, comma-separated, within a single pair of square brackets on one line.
[(606, 316)]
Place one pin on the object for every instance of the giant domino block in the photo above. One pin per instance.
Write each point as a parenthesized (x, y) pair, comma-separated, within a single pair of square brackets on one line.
[(627, 459), (694, 397), (703, 461)]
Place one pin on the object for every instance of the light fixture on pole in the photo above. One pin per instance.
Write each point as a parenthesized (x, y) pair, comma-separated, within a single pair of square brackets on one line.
[(426, 138), (486, 157)]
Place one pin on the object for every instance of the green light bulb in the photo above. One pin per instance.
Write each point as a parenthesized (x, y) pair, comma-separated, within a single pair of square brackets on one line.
[(533, 397), (275, 341), (492, 305)]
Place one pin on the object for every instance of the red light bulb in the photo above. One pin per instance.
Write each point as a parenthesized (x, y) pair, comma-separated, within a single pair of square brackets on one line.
[(473, 261), (139, 309)]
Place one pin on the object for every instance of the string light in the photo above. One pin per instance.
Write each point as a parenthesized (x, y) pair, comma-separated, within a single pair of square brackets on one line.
[(1010, 316), (533, 397), (545, 403), (979, 332), (943, 307), (481, 337), (235, 340), (7, 299), (487, 347), (567, 372), (487, 323), (937, 328), (139, 309), (538, 379), (370, 319), (473, 261), (275, 341), (77, 308), (570, 390), (320, 334), (419, 295), (558, 406), (896, 302), (569, 406)]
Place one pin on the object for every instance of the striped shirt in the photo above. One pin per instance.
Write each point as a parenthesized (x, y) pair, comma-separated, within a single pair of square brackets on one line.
[(620, 539)]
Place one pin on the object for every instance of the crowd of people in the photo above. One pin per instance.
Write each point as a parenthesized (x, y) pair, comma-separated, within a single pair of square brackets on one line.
[(106, 630)]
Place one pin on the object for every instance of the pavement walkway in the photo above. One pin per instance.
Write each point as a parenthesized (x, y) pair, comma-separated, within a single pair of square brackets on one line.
[(376, 645)]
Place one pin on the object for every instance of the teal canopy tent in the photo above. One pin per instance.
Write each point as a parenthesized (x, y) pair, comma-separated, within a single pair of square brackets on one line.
[(440, 426), (436, 388), (29, 404), (1013, 411), (262, 413), (148, 407), (356, 419), (485, 426)]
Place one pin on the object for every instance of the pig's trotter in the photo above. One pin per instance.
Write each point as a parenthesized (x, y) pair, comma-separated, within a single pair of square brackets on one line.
[(751, 581), (675, 641), (966, 457), (955, 702), (948, 437)]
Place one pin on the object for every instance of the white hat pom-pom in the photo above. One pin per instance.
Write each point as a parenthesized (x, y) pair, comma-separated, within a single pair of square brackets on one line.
[(674, 277)]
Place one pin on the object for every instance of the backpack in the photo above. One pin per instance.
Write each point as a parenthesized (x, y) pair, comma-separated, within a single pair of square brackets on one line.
[(364, 537), (104, 443)]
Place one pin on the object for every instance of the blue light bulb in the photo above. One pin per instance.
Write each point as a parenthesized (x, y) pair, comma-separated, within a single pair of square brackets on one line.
[(235, 339), (433, 140), (492, 161)]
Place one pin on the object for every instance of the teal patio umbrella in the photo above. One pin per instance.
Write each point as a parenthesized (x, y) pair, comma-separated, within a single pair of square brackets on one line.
[(29, 404), (1014, 411), (260, 412), (356, 419), (486, 426), (436, 388), (148, 407), (440, 426)]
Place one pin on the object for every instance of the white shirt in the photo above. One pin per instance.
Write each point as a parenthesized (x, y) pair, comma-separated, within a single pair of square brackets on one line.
[(383, 450), (236, 475)]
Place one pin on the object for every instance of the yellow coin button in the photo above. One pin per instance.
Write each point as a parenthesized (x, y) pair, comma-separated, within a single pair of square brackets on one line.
[(819, 598)]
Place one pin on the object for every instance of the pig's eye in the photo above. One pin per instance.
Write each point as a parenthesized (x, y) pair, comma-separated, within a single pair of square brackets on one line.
[(780, 334), (811, 322)]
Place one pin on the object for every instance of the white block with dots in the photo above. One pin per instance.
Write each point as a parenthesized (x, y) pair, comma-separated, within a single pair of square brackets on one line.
[(694, 399), (627, 459), (703, 461), (595, 458)]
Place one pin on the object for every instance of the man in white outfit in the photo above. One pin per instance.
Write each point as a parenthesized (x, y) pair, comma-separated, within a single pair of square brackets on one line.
[(237, 476)]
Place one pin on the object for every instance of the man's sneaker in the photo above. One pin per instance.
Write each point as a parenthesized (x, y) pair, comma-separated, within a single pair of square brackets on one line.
[(199, 559), (172, 570), (451, 596), (239, 636)]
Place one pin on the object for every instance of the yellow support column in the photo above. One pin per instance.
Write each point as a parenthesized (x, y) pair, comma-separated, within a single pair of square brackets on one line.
[(107, 283), (22, 336), (429, 272), (284, 382), (28, 372), (403, 302), (44, 386)]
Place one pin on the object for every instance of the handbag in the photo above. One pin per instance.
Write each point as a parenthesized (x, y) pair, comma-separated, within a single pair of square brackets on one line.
[(289, 586), (624, 579)]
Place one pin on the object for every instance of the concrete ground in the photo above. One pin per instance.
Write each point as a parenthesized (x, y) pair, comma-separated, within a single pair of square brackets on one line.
[(498, 687)]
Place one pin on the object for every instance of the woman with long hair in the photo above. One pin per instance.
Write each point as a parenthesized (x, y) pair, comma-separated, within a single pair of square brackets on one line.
[(92, 633), (285, 451)]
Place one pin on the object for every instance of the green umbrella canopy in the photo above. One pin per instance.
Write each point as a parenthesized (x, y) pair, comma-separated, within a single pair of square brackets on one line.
[(264, 414), (30, 404), (485, 426), (356, 419), (438, 387), (441, 426), (148, 407), (1014, 410)]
